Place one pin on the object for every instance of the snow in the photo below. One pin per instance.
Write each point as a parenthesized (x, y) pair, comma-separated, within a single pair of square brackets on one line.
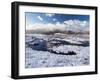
[(37, 59)]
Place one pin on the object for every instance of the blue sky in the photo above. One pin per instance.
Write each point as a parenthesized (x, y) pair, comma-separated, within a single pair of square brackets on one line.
[(45, 18), (50, 22)]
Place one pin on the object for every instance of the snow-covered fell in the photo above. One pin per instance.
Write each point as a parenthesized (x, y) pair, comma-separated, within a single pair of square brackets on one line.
[(38, 58)]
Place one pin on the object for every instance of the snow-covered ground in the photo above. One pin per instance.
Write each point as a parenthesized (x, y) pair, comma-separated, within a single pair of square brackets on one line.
[(37, 59)]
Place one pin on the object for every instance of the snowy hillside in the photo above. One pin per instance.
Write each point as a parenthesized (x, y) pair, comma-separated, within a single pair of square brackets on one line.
[(38, 46)]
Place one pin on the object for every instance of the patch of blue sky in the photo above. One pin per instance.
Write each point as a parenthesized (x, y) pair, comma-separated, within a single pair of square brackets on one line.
[(45, 18)]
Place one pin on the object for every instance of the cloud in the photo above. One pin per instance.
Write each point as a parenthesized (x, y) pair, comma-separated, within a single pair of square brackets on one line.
[(49, 14), (58, 23), (54, 19), (72, 25), (77, 25), (40, 18), (45, 28)]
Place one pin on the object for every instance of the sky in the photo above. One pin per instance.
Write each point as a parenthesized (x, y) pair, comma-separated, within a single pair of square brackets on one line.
[(52, 21)]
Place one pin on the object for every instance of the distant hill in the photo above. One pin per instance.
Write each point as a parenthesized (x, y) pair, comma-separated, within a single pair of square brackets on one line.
[(57, 31)]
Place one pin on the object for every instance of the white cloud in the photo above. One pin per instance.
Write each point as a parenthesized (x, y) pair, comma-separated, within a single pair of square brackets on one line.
[(73, 25), (49, 14), (58, 23), (43, 28), (40, 18), (77, 25), (54, 19)]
